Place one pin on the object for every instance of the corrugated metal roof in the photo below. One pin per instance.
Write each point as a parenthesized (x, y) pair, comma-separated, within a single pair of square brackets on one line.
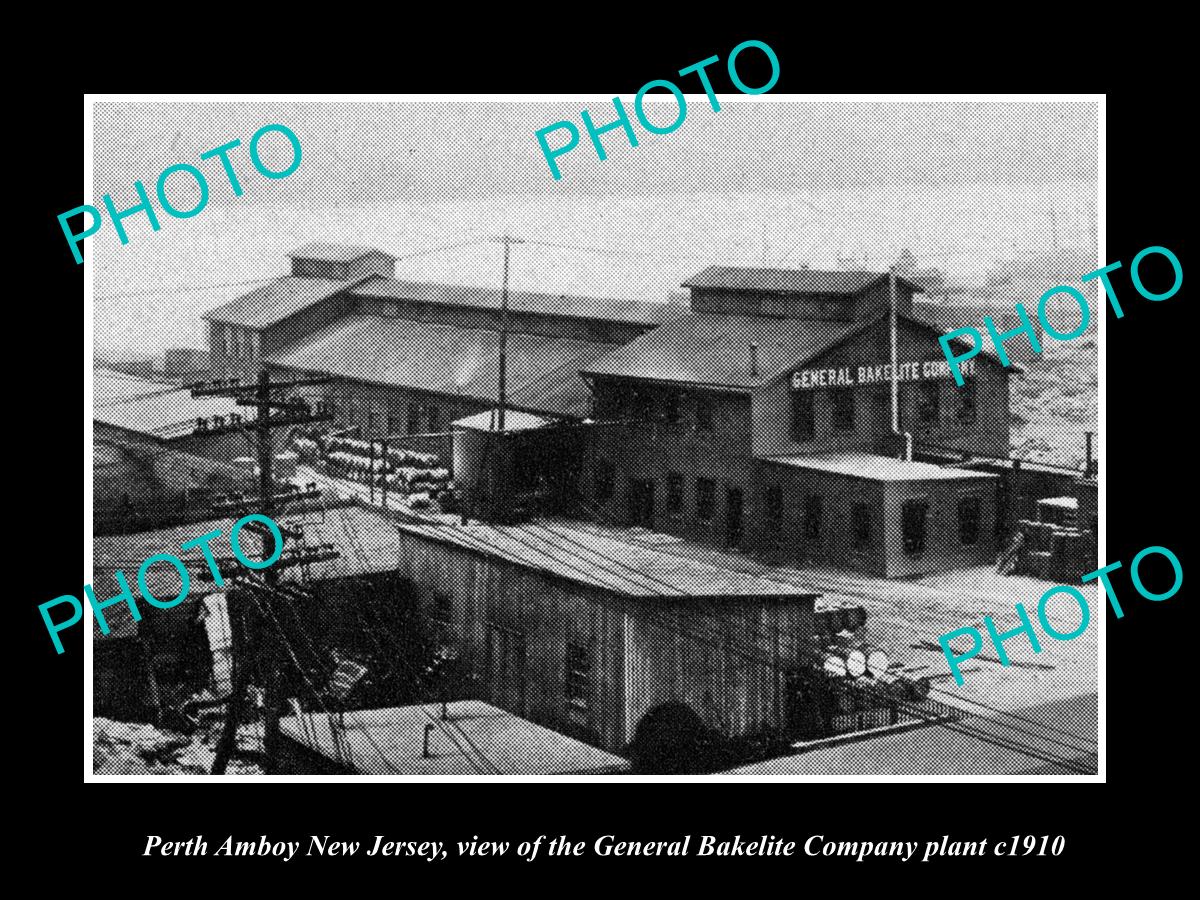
[(714, 349), (272, 303), (789, 281), (543, 372), (149, 407), (634, 312), (599, 558), (875, 468), (329, 252)]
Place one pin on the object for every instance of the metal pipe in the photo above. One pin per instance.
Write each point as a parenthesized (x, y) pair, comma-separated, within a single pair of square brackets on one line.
[(894, 317)]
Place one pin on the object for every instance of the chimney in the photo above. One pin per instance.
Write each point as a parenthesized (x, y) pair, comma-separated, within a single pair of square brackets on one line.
[(753, 359)]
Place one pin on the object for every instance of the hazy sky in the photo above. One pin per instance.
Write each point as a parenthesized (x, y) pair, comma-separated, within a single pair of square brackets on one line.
[(961, 184)]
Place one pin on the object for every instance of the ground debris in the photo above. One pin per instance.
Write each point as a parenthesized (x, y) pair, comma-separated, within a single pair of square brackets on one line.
[(135, 748)]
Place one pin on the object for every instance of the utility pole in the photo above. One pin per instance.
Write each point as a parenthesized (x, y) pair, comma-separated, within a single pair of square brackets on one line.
[(291, 411), (507, 240), (492, 455)]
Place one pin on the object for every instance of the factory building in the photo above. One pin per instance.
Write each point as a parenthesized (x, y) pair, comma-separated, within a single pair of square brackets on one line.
[(409, 357), (762, 419)]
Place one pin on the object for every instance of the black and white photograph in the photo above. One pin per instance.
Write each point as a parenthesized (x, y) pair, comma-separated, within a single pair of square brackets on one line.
[(469, 438)]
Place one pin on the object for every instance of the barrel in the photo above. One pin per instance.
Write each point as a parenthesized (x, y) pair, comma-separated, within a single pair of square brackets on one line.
[(877, 660), (856, 662)]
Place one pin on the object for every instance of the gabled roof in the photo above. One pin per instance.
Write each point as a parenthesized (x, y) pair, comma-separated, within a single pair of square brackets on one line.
[(789, 281), (635, 312), (272, 303), (327, 252), (714, 349), (542, 372)]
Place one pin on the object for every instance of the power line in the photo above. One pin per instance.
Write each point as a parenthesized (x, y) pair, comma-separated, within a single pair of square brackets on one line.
[(184, 290)]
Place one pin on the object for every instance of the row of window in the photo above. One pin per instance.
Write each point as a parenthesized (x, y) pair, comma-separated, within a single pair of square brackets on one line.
[(238, 343), (844, 409), (914, 513)]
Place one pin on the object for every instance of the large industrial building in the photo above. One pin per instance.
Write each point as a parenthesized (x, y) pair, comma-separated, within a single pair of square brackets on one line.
[(758, 418)]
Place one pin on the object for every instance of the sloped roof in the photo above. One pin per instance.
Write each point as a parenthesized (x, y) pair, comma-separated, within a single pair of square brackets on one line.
[(160, 410), (542, 372), (714, 349), (789, 281), (585, 554), (633, 312), (328, 252), (272, 303), (872, 467)]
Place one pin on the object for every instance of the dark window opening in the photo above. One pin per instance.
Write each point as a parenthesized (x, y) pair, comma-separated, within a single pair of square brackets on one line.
[(929, 404), (671, 401), (577, 683), (674, 493), (802, 416), (862, 526), (733, 516), (704, 414), (435, 418), (913, 515), (641, 403), (603, 475), (812, 518), (641, 502), (774, 504), (968, 520), (414, 418), (843, 409), (706, 498), (967, 399)]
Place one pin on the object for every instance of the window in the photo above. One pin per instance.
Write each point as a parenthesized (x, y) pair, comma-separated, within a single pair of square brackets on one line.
[(671, 406), (674, 493), (861, 526), (442, 617), (704, 413), (802, 416), (603, 476), (843, 409), (774, 511), (913, 514), (414, 418), (968, 521), (928, 404), (578, 677), (435, 418), (228, 340), (706, 498), (967, 397), (812, 518), (577, 682), (641, 403)]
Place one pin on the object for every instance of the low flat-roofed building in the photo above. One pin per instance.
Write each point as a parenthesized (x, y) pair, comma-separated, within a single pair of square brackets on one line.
[(475, 738)]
